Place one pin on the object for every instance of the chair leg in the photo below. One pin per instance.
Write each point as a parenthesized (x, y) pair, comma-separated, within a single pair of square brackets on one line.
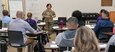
[(30, 48), (25, 49), (19, 49)]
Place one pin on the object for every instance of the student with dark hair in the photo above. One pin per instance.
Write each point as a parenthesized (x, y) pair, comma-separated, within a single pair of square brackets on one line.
[(48, 16), (78, 15), (6, 19), (100, 17), (104, 22)]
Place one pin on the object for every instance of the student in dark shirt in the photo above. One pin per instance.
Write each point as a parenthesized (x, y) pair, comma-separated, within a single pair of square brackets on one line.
[(100, 17), (104, 22), (32, 22), (78, 15)]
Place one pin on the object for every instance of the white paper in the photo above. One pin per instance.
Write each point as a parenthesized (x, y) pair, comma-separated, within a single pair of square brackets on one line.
[(54, 46), (55, 27), (102, 45)]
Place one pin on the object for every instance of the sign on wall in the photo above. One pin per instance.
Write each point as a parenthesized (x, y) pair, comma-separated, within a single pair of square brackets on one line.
[(106, 2)]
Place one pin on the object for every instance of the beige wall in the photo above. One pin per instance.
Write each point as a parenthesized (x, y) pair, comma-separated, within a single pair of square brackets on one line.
[(6, 4), (66, 7)]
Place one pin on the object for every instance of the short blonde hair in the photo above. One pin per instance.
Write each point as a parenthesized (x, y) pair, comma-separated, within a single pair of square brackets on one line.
[(85, 40)]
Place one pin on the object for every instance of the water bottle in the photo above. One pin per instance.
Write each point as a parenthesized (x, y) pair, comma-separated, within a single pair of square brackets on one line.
[(61, 24)]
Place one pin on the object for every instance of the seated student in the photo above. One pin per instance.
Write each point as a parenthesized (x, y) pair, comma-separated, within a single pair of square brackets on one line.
[(65, 39), (78, 15), (32, 22), (19, 24), (104, 22), (100, 17), (6, 19), (85, 40), (111, 42)]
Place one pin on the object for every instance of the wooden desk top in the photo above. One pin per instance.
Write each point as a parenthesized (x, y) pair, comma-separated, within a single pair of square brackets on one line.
[(51, 45)]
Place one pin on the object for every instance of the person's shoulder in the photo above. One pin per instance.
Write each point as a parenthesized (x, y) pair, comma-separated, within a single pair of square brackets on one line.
[(113, 37), (45, 10), (33, 20), (100, 21), (23, 21), (52, 11), (60, 34)]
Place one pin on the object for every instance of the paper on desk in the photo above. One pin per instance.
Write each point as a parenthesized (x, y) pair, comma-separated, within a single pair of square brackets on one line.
[(55, 27), (90, 26), (102, 45), (15, 44), (53, 46), (4, 29)]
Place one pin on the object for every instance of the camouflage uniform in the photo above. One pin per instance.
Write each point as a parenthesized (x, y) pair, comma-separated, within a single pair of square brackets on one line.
[(48, 19)]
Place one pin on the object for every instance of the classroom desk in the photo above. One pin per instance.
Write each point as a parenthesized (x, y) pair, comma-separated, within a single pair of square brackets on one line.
[(58, 30), (5, 30), (52, 46), (41, 24), (91, 26)]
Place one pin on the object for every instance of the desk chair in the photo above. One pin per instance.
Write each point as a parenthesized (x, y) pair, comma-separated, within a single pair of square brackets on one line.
[(111, 48), (62, 49), (105, 34), (15, 39)]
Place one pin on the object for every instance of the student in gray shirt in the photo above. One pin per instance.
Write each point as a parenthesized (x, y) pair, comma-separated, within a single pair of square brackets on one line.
[(19, 24), (65, 39), (111, 42)]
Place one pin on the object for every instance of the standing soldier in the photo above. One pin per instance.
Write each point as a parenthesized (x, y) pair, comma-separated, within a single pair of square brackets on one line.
[(48, 16)]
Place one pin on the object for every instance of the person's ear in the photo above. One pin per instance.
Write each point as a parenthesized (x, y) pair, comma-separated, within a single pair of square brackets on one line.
[(77, 25)]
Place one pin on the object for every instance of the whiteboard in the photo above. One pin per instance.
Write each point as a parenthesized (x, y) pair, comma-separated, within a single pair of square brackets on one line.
[(14, 6), (32, 6)]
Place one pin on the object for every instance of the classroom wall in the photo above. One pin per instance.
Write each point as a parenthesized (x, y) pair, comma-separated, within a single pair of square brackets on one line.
[(66, 7), (5, 3)]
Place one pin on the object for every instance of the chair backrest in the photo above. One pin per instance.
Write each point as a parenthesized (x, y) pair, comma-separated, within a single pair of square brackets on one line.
[(111, 48), (107, 29), (15, 38), (105, 34)]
